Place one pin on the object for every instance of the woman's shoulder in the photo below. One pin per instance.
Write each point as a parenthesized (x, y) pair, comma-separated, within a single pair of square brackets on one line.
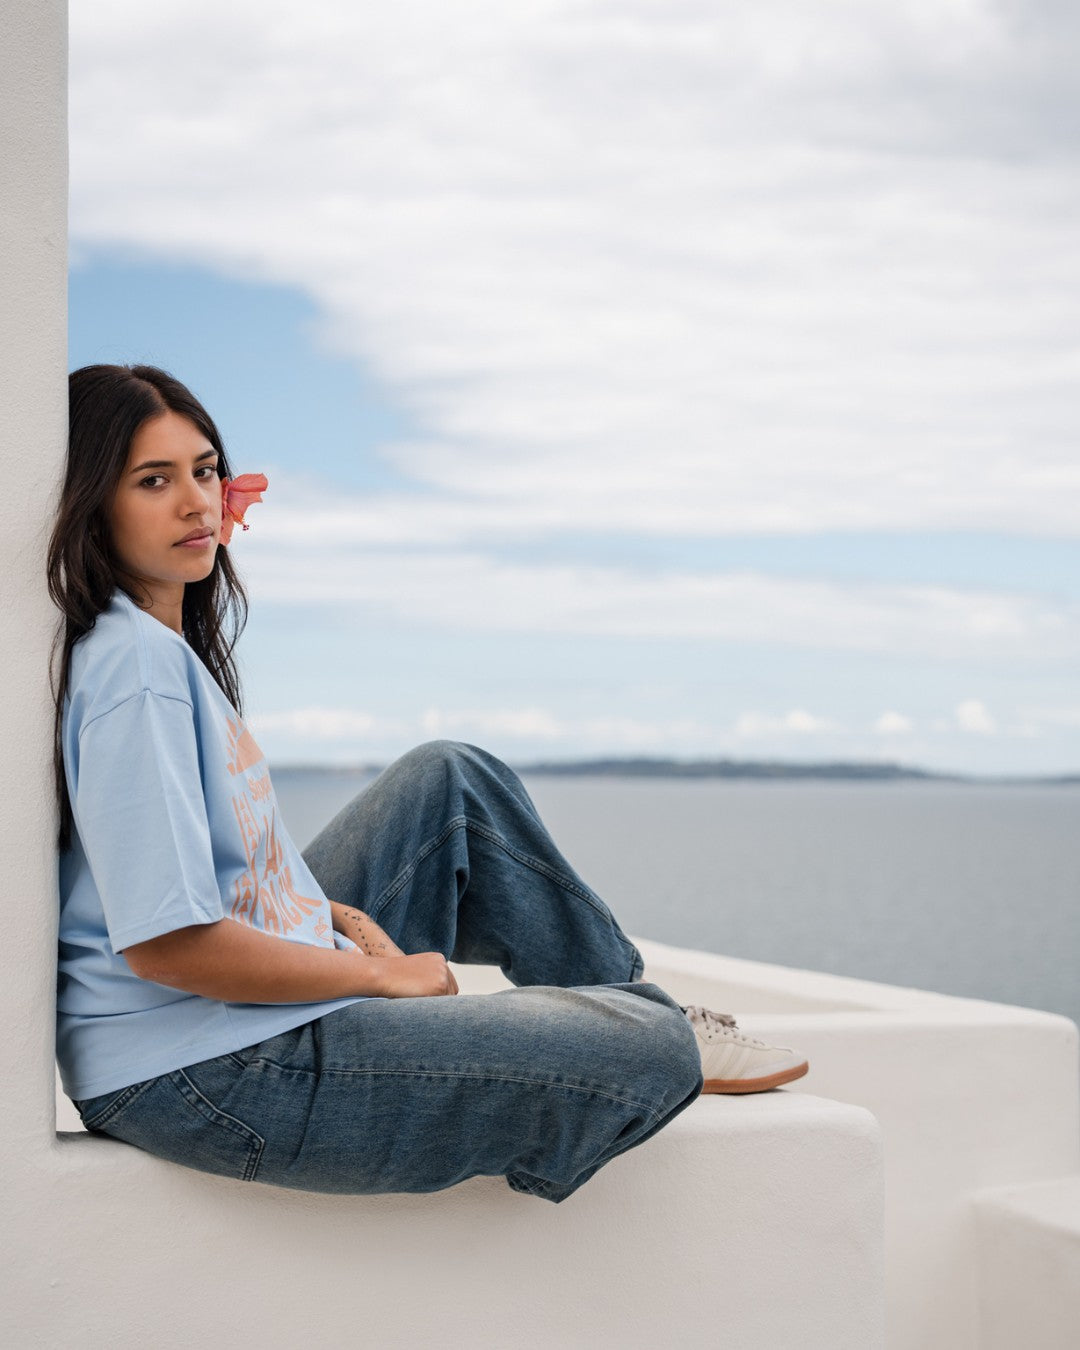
[(127, 653)]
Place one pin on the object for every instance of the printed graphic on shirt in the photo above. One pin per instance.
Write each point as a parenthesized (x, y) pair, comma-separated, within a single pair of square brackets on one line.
[(243, 751), (265, 896)]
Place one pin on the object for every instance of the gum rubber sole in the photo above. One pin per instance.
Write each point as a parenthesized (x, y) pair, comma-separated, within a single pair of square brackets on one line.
[(730, 1085)]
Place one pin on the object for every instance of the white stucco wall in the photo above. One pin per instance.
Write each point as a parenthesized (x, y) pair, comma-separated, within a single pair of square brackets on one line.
[(1029, 1241), (33, 428), (969, 1095)]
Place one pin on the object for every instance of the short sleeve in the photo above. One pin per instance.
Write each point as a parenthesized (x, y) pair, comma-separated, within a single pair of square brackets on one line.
[(141, 814)]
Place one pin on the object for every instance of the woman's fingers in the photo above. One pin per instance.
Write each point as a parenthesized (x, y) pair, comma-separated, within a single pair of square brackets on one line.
[(424, 975)]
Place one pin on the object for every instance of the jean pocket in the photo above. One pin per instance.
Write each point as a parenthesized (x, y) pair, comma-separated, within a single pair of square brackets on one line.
[(280, 1049), (174, 1120), (97, 1112)]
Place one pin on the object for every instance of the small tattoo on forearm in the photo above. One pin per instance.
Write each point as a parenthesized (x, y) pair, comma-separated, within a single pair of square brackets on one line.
[(362, 926)]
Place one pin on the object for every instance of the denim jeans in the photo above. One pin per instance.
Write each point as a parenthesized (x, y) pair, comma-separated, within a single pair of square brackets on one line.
[(542, 1083)]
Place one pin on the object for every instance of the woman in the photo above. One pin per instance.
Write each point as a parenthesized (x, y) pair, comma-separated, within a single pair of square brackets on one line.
[(231, 1005)]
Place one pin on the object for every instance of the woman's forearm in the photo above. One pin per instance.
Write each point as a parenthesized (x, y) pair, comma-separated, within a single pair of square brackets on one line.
[(238, 964), (363, 930)]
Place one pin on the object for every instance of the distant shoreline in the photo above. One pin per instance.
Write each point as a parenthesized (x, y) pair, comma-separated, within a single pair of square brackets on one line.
[(744, 769)]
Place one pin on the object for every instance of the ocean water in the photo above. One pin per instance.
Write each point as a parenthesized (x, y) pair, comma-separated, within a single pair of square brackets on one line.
[(971, 890)]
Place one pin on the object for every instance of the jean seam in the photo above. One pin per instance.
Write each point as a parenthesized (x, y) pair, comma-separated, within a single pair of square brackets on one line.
[(461, 1074), (119, 1103), (462, 822), (560, 878), (637, 965), (425, 850), (206, 1108), (497, 1078)]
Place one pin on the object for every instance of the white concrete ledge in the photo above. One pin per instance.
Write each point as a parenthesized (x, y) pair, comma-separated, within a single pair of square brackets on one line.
[(969, 1095), (1029, 1266), (748, 1222)]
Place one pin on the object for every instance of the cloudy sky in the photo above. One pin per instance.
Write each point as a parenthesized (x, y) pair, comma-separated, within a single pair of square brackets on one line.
[(632, 376)]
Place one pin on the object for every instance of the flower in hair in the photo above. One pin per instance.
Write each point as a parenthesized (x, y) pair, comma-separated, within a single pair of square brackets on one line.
[(237, 494)]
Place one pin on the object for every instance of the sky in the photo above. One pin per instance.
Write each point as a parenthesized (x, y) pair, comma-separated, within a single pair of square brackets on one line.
[(659, 377)]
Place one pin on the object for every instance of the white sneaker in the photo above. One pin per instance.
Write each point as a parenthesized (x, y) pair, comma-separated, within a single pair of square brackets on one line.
[(734, 1062)]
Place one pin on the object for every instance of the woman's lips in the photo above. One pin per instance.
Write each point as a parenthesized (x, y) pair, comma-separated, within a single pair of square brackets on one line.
[(200, 542)]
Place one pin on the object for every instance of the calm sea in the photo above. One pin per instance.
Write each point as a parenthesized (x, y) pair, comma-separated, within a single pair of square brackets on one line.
[(971, 890)]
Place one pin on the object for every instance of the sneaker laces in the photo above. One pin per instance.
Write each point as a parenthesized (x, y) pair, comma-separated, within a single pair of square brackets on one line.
[(718, 1025)]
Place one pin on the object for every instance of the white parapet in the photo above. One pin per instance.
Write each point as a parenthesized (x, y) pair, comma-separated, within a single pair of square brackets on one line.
[(969, 1095), (1029, 1266), (750, 1222), (777, 1190)]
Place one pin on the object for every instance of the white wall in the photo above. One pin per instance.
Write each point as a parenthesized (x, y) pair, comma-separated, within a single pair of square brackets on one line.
[(33, 428), (969, 1096), (1029, 1250)]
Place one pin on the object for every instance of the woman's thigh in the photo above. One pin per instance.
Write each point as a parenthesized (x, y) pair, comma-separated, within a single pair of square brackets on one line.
[(446, 851), (542, 1085)]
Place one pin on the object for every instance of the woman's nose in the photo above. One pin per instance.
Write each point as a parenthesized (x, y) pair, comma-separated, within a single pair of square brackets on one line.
[(196, 500)]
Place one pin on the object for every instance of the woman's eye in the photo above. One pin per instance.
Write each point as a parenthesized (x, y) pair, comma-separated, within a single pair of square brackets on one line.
[(208, 471), (152, 480)]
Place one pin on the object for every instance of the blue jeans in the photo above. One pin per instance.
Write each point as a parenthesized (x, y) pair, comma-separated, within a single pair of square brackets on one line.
[(542, 1083)]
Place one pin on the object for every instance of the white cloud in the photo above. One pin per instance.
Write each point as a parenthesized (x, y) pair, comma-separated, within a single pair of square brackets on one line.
[(893, 724), (348, 731), (637, 265), (623, 735), (751, 725), (575, 735), (1067, 718), (974, 716), (515, 723), (532, 732), (322, 724), (474, 593)]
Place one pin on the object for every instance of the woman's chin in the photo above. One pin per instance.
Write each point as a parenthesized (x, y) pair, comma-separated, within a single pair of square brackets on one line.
[(198, 566)]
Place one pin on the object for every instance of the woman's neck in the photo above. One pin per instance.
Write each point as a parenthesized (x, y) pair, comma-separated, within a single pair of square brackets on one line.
[(164, 603)]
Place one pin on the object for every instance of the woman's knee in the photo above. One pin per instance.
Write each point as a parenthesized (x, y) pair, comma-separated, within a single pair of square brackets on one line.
[(434, 757), (450, 766), (661, 1050), (639, 1036), (431, 765), (672, 1042)]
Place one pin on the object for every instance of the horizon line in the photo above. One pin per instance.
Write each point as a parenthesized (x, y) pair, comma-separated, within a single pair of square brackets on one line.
[(665, 766)]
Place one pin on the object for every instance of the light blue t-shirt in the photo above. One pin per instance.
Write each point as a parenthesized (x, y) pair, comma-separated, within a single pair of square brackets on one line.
[(176, 823)]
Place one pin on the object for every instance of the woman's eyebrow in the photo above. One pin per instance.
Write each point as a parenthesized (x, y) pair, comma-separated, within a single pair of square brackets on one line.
[(170, 464)]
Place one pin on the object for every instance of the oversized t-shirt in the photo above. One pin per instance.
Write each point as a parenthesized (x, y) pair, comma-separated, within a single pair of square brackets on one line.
[(176, 823)]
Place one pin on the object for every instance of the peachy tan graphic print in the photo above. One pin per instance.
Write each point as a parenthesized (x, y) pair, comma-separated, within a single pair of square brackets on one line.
[(243, 751), (264, 896)]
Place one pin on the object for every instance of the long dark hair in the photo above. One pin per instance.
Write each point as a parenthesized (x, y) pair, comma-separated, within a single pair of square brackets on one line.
[(107, 406)]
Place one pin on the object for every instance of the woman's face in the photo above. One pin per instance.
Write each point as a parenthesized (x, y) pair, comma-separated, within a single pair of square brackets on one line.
[(165, 515)]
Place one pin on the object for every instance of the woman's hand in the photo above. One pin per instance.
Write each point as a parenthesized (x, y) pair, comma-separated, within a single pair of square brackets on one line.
[(425, 975)]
